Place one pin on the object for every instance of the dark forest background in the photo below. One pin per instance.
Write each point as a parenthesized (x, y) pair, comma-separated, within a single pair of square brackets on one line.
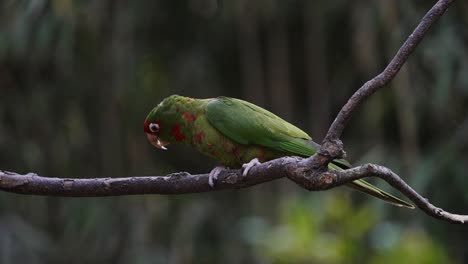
[(77, 79)]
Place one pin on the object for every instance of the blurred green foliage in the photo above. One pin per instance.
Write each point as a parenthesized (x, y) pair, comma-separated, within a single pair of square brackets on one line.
[(77, 79), (338, 232)]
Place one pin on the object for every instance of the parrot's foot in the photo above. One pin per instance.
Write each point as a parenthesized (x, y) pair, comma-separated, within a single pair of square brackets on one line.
[(247, 166), (214, 175)]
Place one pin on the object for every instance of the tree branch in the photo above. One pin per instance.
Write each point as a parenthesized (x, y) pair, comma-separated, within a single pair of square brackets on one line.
[(332, 178), (311, 173), (296, 169), (176, 183)]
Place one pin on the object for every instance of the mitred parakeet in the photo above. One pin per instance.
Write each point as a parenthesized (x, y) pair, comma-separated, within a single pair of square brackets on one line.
[(235, 132)]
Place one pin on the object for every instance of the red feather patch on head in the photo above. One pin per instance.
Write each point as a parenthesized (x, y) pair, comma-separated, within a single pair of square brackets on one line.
[(146, 126), (187, 116)]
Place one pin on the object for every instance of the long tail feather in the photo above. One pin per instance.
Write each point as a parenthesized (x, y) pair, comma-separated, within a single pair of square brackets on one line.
[(365, 187), (370, 189)]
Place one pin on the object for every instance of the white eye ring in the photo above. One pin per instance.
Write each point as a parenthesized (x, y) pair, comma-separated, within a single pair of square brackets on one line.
[(154, 127)]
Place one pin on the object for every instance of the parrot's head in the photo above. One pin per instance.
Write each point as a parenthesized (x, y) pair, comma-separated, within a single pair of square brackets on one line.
[(154, 125), (163, 124)]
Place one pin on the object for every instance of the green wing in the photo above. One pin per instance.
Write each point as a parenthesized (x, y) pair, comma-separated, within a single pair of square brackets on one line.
[(247, 123)]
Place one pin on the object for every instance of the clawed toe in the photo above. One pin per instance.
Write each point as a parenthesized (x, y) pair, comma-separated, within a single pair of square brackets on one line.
[(214, 175), (247, 166)]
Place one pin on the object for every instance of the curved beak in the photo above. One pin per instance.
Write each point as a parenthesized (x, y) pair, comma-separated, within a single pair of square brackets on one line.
[(155, 141)]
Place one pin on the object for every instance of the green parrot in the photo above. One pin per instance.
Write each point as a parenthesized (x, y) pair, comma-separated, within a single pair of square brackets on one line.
[(237, 133)]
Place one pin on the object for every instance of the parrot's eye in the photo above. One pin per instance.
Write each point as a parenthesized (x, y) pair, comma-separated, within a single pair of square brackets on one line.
[(154, 127)]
